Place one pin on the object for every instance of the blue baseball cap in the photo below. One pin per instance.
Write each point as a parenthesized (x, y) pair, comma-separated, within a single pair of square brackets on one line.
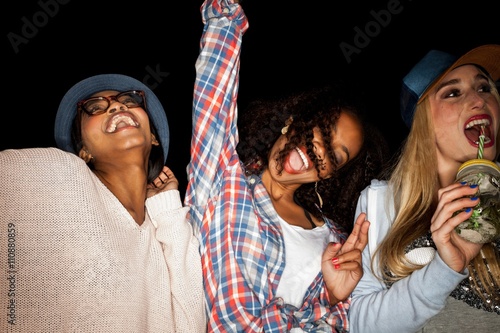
[(89, 86), (436, 64)]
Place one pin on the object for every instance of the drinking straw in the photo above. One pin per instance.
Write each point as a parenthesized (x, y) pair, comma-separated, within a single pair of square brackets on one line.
[(481, 144)]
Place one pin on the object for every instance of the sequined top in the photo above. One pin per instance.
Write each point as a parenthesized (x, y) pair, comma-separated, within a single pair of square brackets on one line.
[(465, 290)]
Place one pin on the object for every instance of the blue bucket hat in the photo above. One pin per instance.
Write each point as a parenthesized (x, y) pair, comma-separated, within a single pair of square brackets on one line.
[(89, 86), (436, 64)]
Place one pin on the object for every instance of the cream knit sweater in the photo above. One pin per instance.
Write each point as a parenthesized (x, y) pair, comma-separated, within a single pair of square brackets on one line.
[(73, 260)]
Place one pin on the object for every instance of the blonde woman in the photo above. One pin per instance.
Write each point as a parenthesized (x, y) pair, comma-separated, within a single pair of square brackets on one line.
[(419, 274)]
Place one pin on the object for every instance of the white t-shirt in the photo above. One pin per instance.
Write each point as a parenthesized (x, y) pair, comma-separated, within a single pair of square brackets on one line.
[(303, 251)]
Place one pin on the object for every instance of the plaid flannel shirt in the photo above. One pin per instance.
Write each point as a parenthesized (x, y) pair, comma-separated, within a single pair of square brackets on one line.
[(241, 242)]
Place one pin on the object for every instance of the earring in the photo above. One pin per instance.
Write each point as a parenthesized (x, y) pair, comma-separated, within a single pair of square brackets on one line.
[(319, 196), (288, 122), (85, 155)]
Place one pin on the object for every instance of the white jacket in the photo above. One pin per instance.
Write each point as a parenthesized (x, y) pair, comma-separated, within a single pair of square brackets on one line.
[(411, 302)]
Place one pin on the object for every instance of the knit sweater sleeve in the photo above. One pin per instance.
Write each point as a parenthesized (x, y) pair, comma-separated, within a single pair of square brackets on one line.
[(409, 303), (182, 257)]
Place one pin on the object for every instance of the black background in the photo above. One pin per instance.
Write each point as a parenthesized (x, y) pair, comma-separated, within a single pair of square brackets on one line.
[(49, 45)]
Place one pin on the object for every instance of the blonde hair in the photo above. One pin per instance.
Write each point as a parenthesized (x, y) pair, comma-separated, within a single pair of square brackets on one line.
[(415, 183)]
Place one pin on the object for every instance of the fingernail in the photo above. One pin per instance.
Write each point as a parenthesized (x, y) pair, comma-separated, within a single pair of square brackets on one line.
[(463, 183), (468, 210), (337, 266), (335, 260), (473, 186), (474, 198)]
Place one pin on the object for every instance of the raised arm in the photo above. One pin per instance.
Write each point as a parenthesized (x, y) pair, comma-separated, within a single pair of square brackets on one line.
[(215, 134)]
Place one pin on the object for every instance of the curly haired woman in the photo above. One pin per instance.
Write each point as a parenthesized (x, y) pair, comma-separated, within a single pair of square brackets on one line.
[(271, 263)]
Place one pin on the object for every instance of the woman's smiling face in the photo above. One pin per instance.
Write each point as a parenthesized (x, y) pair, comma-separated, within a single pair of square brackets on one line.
[(461, 104), (117, 129), (347, 140)]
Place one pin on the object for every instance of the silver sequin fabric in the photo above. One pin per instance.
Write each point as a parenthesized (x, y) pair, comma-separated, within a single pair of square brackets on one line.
[(464, 291)]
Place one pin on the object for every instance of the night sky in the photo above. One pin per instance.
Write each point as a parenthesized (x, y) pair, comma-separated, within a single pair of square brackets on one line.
[(49, 45)]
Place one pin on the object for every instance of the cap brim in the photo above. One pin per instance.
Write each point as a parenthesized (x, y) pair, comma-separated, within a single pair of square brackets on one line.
[(67, 108), (486, 56)]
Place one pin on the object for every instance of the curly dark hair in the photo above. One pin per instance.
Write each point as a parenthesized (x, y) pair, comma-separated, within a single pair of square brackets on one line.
[(341, 192), (261, 124)]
